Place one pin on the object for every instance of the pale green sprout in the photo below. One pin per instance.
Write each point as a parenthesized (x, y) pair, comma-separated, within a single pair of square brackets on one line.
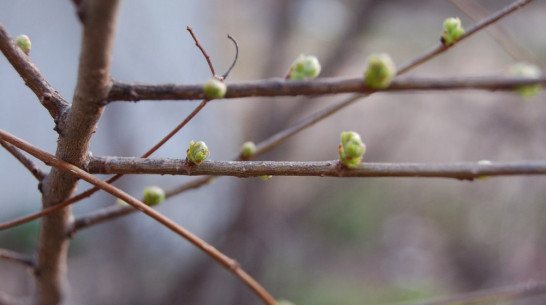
[(284, 302), (198, 152), (380, 71), (24, 43), (304, 67), (525, 70), (265, 177), (452, 30), (351, 149), (215, 88), (248, 149), (153, 195)]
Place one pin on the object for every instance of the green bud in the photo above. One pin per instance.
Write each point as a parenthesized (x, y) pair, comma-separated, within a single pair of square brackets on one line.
[(248, 149), (452, 31), (215, 89), (525, 70), (153, 195), (121, 202), (284, 302), (24, 43), (304, 67), (380, 71), (351, 149), (198, 152), (483, 162), (265, 177)]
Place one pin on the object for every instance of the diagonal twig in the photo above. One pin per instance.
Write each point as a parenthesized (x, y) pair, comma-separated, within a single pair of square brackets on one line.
[(36, 171), (26, 260), (48, 96), (218, 256)]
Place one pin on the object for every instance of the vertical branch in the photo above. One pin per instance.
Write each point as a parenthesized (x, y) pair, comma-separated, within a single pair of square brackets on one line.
[(75, 131)]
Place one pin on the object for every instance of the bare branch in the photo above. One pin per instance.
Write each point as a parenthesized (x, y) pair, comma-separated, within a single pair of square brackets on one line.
[(20, 258), (36, 171), (165, 166), (6, 299), (218, 256), (198, 44), (75, 129), (225, 75), (48, 96), (440, 48), (320, 86), (489, 295)]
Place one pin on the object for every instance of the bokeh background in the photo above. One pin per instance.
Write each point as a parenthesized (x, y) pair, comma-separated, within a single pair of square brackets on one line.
[(310, 240)]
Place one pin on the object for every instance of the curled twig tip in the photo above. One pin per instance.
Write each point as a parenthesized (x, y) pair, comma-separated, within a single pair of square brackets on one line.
[(236, 56)]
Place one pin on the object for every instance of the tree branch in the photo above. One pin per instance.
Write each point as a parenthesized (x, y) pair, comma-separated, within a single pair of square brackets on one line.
[(440, 48), (489, 295), (26, 260), (320, 86), (36, 171), (221, 258), (165, 166), (75, 129), (6, 299), (48, 96)]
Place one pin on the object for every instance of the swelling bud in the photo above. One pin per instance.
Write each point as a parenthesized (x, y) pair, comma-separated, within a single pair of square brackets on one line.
[(153, 195), (380, 71), (24, 43), (452, 31), (198, 152), (304, 67), (215, 89), (525, 70), (351, 149), (248, 149)]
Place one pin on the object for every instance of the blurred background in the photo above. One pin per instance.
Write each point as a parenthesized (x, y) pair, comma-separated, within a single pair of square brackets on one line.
[(309, 240)]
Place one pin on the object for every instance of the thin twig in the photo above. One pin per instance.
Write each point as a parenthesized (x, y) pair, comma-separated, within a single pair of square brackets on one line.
[(166, 166), (36, 171), (489, 295), (225, 75), (48, 96), (503, 37), (218, 256), (24, 259), (320, 86), (469, 32), (6, 299), (198, 44)]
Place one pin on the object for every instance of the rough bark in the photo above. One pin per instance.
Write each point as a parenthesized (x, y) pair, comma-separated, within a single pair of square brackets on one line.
[(75, 130)]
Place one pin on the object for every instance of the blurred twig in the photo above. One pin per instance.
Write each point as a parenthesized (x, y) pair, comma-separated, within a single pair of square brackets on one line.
[(489, 295), (16, 257), (503, 37)]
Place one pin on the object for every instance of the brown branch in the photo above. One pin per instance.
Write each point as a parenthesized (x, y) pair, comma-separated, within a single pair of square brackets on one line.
[(198, 44), (165, 166), (489, 295), (440, 48), (320, 86), (218, 256), (36, 171), (48, 96), (75, 129), (26, 260)]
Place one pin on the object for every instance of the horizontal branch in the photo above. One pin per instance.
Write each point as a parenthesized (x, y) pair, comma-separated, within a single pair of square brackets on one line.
[(320, 86), (49, 97), (165, 166)]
